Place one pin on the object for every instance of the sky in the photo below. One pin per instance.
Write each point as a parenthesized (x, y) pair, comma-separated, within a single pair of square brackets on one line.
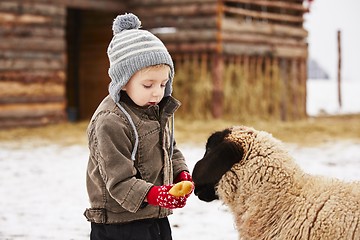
[(326, 17)]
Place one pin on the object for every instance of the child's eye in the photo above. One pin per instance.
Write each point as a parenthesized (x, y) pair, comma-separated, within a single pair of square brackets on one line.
[(163, 85), (147, 86)]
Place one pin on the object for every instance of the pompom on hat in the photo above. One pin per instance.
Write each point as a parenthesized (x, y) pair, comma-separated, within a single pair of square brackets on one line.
[(132, 49)]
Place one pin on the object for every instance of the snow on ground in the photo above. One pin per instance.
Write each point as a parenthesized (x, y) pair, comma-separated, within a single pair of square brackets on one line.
[(43, 194), (43, 191)]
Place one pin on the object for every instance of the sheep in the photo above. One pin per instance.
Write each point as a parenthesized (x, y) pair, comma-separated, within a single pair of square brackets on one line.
[(269, 195)]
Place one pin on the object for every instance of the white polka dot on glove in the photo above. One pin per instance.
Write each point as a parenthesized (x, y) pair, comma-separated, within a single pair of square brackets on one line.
[(160, 196)]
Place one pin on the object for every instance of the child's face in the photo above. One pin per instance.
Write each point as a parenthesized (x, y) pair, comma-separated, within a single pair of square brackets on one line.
[(147, 86)]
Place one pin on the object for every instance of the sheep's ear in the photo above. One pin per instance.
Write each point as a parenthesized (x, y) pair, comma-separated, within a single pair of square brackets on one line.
[(216, 138), (216, 162), (225, 155)]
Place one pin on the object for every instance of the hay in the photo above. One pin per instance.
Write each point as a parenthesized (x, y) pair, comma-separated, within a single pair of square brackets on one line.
[(306, 132)]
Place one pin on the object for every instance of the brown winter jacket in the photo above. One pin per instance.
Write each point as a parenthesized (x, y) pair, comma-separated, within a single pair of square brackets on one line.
[(117, 185)]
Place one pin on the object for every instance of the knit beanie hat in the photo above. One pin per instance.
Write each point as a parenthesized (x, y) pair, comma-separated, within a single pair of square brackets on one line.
[(131, 50)]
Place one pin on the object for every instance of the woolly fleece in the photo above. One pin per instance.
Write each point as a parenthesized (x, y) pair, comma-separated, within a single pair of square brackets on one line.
[(272, 198)]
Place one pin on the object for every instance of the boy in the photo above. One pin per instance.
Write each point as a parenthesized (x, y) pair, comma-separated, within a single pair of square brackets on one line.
[(133, 158)]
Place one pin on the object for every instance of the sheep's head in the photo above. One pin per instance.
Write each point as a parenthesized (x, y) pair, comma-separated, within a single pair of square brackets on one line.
[(222, 152)]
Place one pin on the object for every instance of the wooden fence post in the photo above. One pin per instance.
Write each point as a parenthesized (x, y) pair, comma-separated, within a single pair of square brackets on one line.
[(339, 67), (218, 66)]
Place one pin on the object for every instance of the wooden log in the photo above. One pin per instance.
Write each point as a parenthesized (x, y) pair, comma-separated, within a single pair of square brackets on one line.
[(217, 96), (11, 122), (261, 39), (33, 44), (108, 5), (284, 90), (264, 15), (13, 19), (179, 22), (173, 10), (219, 23), (252, 49), (203, 35), (339, 68), (291, 51), (191, 47), (33, 76), (33, 55), (30, 110), (233, 25), (32, 99), (25, 64), (32, 8), (22, 19), (167, 2), (303, 79), (35, 30), (17, 89), (273, 4), (294, 90)]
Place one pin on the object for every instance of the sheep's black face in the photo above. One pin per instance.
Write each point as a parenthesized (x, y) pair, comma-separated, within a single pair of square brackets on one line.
[(220, 156)]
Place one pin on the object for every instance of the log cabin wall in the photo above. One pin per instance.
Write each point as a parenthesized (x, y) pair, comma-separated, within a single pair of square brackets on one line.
[(32, 64), (234, 58), (53, 59)]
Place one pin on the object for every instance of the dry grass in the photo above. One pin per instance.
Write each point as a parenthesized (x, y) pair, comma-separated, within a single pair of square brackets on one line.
[(306, 132)]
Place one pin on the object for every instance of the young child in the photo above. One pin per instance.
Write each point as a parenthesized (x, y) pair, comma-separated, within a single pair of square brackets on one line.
[(133, 158)]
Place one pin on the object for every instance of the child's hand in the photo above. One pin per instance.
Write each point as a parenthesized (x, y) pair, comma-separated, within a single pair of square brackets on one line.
[(160, 196), (183, 176)]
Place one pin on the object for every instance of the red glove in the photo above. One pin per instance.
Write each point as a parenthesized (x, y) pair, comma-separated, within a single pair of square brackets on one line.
[(183, 176), (160, 196)]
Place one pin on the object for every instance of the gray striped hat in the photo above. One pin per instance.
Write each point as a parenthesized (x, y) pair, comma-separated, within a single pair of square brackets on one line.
[(131, 50)]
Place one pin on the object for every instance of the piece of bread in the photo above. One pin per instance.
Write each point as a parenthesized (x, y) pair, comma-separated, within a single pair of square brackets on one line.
[(181, 189)]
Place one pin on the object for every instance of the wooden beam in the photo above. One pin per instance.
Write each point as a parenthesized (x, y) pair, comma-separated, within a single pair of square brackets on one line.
[(233, 25), (33, 99), (179, 22), (264, 15), (34, 43), (30, 109), (167, 2), (22, 19), (219, 24), (261, 39), (25, 64), (32, 8), (14, 19), (106, 5), (32, 76), (254, 49), (202, 35), (174, 10), (15, 122), (17, 89), (217, 81), (339, 68), (191, 47), (33, 30), (275, 4)]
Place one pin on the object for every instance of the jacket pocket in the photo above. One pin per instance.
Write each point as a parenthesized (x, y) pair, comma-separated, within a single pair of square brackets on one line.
[(96, 215)]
